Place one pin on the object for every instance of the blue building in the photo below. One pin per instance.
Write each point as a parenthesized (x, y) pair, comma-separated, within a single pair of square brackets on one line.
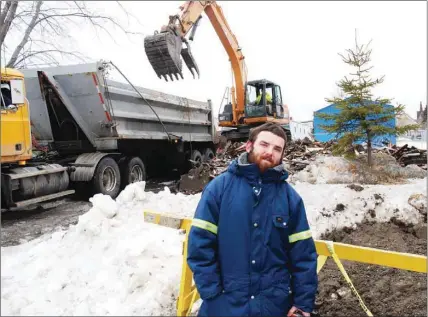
[(323, 136)]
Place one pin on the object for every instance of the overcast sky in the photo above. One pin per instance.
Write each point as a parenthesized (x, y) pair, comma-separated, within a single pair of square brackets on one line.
[(295, 44)]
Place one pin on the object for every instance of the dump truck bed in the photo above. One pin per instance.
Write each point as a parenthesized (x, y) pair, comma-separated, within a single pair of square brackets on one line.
[(108, 110)]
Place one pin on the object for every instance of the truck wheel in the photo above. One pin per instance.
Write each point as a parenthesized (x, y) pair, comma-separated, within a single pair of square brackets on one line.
[(132, 171), (208, 155), (106, 178), (197, 157)]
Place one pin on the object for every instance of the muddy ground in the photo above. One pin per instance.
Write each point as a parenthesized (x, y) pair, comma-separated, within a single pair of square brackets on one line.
[(21, 225), (385, 291)]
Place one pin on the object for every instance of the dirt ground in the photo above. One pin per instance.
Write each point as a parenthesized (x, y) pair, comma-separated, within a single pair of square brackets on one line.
[(385, 291)]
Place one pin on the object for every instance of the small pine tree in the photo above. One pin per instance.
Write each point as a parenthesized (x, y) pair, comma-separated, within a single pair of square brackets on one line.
[(360, 116)]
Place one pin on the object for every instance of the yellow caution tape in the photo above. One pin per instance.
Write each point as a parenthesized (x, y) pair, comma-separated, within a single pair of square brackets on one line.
[(336, 259)]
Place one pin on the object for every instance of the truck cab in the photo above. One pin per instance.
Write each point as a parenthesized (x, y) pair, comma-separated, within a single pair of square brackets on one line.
[(16, 145)]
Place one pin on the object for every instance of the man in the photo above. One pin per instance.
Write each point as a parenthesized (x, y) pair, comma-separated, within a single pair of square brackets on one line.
[(250, 247), (268, 99)]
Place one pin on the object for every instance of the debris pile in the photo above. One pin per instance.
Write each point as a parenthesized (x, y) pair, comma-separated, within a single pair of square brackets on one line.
[(408, 155), (298, 156)]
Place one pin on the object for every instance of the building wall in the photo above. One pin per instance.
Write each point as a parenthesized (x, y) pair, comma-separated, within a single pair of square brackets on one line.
[(300, 130), (323, 136)]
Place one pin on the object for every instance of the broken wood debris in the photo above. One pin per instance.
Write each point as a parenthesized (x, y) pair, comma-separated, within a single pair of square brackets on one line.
[(298, 155), (406, 155)]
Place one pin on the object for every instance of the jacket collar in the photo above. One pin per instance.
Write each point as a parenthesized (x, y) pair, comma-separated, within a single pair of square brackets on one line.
[(242, 167)]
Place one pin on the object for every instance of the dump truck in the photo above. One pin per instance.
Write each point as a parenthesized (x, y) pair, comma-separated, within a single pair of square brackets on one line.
[(71, 128)]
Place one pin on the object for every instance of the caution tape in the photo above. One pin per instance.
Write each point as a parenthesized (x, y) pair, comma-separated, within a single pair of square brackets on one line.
[(336, 259)]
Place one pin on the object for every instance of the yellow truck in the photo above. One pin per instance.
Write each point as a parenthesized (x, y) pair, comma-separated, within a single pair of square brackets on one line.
[(95, 135), (22, 183)]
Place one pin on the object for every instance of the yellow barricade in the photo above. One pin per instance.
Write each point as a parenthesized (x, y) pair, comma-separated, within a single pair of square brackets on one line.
[(188, 293)]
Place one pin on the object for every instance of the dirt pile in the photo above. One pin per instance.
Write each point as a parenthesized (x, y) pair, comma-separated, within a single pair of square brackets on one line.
[(385, 291)]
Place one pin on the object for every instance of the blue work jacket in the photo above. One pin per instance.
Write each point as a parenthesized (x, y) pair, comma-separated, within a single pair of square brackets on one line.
[(250, 246)]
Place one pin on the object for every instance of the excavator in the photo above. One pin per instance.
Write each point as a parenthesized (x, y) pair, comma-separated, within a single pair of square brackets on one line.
[(250, 103)]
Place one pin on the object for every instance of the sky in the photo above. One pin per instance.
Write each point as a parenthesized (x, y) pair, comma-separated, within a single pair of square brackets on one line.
[(294, 43)]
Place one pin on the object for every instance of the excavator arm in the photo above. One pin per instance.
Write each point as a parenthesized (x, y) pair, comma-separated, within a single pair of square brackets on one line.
[(164, 48)]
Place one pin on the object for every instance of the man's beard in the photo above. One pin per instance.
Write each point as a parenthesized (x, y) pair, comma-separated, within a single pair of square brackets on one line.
[(264, 162)]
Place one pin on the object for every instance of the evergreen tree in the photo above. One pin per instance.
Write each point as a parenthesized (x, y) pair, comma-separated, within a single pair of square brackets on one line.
[(360, 117)]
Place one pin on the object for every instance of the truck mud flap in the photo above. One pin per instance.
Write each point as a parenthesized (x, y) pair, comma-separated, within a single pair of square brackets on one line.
[(85, 165)]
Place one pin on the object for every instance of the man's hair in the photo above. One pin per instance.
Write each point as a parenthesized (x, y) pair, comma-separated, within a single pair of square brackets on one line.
[(269, 127)]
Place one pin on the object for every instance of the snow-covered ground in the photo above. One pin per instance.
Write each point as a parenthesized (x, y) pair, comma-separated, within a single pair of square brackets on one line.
[(113, 263)]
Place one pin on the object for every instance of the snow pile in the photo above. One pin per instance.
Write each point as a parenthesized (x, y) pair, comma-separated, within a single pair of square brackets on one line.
[(338, 170), (337, 206), (113, 263), (110, 263)]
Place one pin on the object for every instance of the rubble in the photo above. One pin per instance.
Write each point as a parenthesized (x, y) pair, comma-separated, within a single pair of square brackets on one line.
[(298, 155), (408, 155)]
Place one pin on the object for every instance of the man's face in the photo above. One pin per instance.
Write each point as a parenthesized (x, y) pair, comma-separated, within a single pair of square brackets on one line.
[(266, 151)]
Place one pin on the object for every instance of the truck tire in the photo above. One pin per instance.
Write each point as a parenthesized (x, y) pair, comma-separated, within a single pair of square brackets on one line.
[(196, 156), (106, 178), (132, 170), (208, 155)]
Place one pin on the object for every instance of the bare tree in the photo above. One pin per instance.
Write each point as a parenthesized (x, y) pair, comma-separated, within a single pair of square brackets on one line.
[(38, 26)]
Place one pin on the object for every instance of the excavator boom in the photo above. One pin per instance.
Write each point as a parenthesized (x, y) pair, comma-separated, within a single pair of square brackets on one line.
[(252, 103), (165, 49)]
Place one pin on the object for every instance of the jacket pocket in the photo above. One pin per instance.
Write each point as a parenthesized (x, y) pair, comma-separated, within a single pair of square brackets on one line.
[(278, 231), (280, 221)]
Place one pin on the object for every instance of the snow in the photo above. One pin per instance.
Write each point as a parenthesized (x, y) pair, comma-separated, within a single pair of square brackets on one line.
[(113, 263), (326, 169), (386, 201)]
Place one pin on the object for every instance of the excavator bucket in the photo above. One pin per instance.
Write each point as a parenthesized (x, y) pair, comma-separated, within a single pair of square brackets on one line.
[(189, 60), (163, 51)]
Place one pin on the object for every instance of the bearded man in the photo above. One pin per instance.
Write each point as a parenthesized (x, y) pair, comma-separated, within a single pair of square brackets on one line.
[(250, 246)]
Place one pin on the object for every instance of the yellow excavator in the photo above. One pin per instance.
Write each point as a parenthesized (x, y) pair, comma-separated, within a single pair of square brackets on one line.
[(252, 103)]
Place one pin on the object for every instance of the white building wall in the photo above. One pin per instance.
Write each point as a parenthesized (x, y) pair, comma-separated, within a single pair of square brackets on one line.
[(300, 130)]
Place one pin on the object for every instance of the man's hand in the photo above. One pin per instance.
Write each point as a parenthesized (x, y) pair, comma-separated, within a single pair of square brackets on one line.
[(295, 310)]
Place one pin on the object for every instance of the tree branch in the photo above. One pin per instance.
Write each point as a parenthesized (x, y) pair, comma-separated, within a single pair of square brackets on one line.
[(4, 27), (27, 33), (49, 23), (4, 12)]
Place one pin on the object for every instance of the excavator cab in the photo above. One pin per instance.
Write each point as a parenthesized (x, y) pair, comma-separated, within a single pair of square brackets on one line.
[(263, 99)]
